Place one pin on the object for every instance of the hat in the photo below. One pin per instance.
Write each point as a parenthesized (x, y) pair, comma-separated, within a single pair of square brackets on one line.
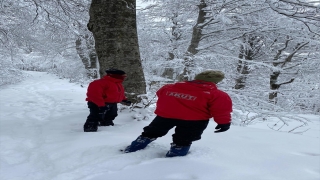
[(211, 76), (115, 71)]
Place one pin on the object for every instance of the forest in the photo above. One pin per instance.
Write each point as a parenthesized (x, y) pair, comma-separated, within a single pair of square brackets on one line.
[(269, 50)]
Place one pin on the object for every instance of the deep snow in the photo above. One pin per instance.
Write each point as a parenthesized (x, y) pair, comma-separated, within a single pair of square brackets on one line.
[(41, 138)]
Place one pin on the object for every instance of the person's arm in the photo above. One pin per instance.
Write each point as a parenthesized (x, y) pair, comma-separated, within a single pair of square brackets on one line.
[(221, 107), (125, 100), (95, 93)]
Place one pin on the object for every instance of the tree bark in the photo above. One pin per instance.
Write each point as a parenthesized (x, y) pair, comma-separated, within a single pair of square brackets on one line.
[(274, 87), (113, 24), (197, 29)]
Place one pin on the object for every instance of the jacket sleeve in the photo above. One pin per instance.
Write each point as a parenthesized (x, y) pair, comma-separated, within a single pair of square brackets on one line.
[(95, 93), (124, 94), (221, 107)]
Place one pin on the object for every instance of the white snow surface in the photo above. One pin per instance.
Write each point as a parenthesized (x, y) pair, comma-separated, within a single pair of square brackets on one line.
[(41, 138)]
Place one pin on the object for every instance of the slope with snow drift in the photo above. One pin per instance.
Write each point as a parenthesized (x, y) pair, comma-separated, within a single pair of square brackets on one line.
[(41, 138)]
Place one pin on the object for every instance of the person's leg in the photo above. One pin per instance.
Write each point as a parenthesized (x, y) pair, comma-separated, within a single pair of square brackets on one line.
[(91, 124), (157, 128), (188, 131), (185, 133), (110, 115)]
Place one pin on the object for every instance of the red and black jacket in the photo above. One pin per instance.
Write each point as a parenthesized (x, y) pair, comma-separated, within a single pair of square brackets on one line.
[(105, 90), (194, 100)]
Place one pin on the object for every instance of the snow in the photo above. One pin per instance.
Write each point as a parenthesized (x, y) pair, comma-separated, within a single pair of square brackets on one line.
[(41, 138)]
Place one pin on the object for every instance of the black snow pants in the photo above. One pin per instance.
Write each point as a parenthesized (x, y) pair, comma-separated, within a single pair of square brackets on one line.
[(185, 131), (110, 115)]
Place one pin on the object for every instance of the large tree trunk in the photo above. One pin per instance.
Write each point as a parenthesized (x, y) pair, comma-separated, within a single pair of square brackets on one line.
[(113, 24)]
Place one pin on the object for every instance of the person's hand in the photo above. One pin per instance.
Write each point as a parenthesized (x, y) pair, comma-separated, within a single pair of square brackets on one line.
[(126, 102), (222, 127)]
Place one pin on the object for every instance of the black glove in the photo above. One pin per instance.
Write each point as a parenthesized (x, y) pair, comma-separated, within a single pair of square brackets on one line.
[(126, 102), (222, 127), (102, 111)]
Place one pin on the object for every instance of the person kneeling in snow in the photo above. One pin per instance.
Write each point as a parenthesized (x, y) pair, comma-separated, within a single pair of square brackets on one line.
[(102, 96), (188, 106)]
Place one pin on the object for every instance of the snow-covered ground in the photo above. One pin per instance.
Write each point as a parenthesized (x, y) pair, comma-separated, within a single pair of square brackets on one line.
[(41, 138)]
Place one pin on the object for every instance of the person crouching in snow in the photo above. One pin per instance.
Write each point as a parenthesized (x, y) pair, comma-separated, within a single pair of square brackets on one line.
[(102, 96), (187, 106)]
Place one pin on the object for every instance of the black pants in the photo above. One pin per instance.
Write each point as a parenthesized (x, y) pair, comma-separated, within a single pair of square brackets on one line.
[(110, 115), (185, 131)]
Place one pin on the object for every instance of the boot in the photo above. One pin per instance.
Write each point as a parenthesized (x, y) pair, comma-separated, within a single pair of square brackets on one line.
[(90, 126), (138, 144), (106, 123), (177, 150)]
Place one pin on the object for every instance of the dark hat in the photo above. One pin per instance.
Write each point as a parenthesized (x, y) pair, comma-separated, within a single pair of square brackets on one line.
[(115, 71), (211, 76)]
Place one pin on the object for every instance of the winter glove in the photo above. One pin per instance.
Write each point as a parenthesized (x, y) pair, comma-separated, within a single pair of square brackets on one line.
[(222, 127), (126, 102)]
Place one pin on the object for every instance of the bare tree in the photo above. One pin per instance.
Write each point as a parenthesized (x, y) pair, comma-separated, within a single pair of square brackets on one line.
[(195, 41), (249, 50), (283, 57), (87, 53), (306, 12), (197, 29)]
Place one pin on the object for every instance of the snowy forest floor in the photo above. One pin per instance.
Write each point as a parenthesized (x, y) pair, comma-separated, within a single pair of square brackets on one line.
[(41, 138)]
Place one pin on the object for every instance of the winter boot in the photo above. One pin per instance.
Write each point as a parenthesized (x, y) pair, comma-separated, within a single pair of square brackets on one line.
[(177, 150), (106, 123), (90, 126), (138, 144)]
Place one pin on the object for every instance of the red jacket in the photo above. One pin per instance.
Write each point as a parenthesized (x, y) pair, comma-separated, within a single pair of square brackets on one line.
[(105, 90), (194, 100)]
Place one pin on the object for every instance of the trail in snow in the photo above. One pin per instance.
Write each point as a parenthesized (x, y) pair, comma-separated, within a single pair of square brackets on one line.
[(29, 111), (41, 138)]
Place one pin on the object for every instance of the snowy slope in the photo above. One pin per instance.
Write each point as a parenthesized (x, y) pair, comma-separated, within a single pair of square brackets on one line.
[(41, 138)]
